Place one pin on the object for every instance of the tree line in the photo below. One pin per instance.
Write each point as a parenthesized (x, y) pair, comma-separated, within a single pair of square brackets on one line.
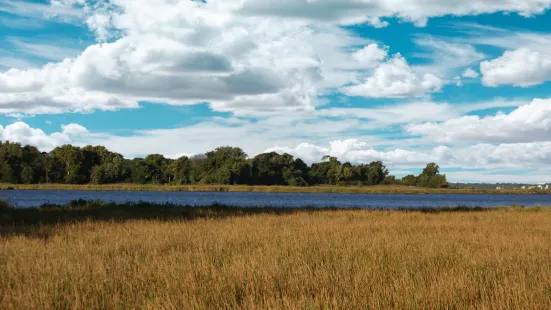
[(224, 165)]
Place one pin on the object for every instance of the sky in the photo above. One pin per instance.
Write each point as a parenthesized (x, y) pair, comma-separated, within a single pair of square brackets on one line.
[(463, 83)]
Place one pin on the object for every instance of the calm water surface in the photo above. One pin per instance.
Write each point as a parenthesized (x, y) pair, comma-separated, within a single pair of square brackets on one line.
[(390, 201)]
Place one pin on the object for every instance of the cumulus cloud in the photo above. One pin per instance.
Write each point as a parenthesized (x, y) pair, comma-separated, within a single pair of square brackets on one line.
[(500, 176), (23, 133), (469, 73), (355, 151), (245, 57), (73, 129), (395, 79), (191, 52), (263, 133), (481, 156), (521, 67), (337, 11), (370, 55), (290, 129), (527, 123), (352, 11)]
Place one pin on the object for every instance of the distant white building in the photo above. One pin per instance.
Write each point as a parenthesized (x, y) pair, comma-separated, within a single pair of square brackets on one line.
[(523, 187), (498, 188), (546, 186)]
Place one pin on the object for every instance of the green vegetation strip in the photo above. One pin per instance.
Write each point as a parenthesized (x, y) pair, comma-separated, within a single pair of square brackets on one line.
[(225, 165)]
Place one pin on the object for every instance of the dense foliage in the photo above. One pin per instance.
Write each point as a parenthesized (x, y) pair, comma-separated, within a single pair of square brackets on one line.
[(225, 165)]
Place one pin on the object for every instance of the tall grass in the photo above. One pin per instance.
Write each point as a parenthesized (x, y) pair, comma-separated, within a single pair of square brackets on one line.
[(219, 258), (382, 189)]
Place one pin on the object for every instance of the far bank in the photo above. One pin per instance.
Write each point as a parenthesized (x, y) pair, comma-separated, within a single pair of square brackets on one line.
[(381, 189)]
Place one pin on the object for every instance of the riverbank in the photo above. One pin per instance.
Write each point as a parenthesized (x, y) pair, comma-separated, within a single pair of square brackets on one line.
[(82, 210), (93, 255), (381, 189)]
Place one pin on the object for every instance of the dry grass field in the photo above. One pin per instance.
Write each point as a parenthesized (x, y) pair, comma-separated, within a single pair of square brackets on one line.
[(499, 259)]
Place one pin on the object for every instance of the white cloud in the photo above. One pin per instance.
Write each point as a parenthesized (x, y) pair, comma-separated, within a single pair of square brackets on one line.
[(26, 135), (337, 11), (15, 62), (469, 73), (283, 129), (510, 155), (502, 38), (73, 129), (481, 156), (63, 12), (457, 80), (521, 67), (527, 123), (245, 57), (189, 53), (47, 51), (198, 139), (353, 11), (498, 177), (395, 79), (355, 151), (398, 114), (370, 55), (445, 56)]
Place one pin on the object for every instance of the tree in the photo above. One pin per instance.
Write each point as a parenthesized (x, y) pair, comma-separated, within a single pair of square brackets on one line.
[(155, 169), (391, 180), (27, 175), (181, 171), (409, 180), (224, 165), (377, 173), (138, 172), (7, 174), (71, 161), (98, 175), (431, 170), (431, 177)]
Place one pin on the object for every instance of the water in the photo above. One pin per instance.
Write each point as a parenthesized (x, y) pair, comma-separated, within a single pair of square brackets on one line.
[(389, 201)]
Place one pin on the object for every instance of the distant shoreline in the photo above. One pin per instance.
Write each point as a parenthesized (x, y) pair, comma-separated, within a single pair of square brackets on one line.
[(392, 189)]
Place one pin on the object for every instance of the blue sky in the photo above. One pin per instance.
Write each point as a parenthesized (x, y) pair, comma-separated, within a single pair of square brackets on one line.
[(466, 84)]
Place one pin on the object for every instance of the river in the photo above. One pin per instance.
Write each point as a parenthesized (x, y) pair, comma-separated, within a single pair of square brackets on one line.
[(20, 198)]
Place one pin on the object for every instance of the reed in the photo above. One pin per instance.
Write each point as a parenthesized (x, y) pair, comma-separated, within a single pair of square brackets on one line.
[(90, 255)]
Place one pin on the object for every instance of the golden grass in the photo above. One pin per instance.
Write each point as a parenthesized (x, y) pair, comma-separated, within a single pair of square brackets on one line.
[(317, 259), (382, 189)]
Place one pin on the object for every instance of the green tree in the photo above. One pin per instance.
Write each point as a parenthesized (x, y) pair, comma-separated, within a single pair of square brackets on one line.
[(377, 173), (431, 170), (431, 177), (7, 174), (156, 166), (27, 175), (180, 170), (391, 180), (409, 180), (71, 160), (98, 175)]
